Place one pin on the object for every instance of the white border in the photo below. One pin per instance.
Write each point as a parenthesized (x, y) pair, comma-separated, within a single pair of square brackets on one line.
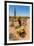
[(8, 23)]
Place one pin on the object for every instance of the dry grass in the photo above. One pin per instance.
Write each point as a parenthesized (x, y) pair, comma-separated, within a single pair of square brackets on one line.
[(17, 32)]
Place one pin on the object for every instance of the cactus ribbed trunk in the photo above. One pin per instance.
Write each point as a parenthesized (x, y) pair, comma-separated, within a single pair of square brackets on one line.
[(14, 11)]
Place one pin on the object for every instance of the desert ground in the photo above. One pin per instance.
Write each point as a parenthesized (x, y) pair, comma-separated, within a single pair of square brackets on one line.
[(19, 28)]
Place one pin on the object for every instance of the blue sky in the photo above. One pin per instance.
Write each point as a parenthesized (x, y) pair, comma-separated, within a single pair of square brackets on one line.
[(20, 10)]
